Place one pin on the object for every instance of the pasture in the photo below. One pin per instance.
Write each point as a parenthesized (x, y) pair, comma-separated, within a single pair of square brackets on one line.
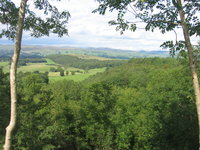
[(80, 74), (5, 66), (55, 76)]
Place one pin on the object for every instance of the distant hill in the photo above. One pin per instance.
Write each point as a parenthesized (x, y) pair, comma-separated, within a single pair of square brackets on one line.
[(84, 62), (91, 51)]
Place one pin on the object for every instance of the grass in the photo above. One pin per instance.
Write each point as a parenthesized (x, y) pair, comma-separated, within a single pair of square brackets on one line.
[(50, 62), (77, 77), (54, 76), (31, 67), (5, 66)]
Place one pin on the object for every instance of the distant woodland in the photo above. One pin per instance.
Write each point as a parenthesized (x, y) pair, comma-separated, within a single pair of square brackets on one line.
[(74, 61)]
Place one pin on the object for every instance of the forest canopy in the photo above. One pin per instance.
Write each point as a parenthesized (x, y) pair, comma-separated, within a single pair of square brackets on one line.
[(146, 104)]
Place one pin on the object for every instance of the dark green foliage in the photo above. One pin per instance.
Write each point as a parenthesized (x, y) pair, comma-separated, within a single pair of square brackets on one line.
[(134, 73), (32, 87), (165, 16), (156, 103), (174, 48), (67, 73), (98, 107), (52, 69), (145, 104), (73, 61), (4, 103), (58, 69), (73, 72), (55, 22), (23, 62), (62, 72), (155, 14)]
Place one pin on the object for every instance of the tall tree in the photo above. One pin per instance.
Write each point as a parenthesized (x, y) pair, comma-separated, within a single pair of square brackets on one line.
[(13, 69), (38, 26), (192, 61), (166, 15)]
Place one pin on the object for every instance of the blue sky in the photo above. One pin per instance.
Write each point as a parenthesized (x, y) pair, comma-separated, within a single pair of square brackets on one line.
[(92, 30)]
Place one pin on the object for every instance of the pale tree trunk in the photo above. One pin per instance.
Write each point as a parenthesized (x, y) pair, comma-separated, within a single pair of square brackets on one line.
[(191, 61), (13, 71)]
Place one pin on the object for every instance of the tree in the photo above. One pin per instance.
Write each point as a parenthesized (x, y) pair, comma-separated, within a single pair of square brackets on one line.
[(32, 96), (67, 73), (52, 69), (73, 72), (56, 23), (98, 108), (62, 72), (166, 15)]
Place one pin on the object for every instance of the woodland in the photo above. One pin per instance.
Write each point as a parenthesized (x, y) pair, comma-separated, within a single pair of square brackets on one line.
[(142, 104)]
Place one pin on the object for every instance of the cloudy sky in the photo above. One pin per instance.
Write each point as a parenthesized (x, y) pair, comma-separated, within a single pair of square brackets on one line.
[(92, 30)]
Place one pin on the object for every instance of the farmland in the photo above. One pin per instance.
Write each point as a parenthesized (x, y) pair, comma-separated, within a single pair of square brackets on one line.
[(55, 76), (75, 74)]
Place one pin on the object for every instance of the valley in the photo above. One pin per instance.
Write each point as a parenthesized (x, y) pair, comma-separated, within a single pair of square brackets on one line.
[(83, 62)]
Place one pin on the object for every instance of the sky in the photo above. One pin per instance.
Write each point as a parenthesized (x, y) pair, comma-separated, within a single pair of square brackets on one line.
[(87, 29)]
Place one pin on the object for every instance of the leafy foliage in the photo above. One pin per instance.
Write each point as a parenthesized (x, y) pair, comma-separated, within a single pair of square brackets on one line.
[(4, 103), (73, 61), (145, 104), (55, 22), (156, 14)]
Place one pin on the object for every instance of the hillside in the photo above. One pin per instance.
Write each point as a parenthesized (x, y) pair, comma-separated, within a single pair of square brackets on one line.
[(135, 72), (58, 67), (101, 52), (144, 104), (84, 62)]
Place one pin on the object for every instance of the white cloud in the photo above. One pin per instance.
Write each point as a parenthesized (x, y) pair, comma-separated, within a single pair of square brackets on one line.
[(92, 30)]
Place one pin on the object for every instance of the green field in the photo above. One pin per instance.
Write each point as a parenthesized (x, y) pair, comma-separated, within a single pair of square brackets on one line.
[(5, 66), (31, 67), (54, 76), (77, 77), (50, 62)]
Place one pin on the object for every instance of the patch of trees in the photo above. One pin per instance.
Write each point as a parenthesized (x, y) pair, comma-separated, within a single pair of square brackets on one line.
[(4, 103), (145, 104), (23, 62), (67, 72), (58, 69), (113, 57), (3, 59), (73, 61), (23, 18), (8, 54), (25, 59), (165, 16)]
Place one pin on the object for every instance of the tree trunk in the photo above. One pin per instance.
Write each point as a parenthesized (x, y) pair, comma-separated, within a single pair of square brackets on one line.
[(13, 71), (191, 61)]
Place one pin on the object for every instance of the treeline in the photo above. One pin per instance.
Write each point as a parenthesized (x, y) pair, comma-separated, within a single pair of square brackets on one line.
[(23, 62), (145, 104), (24, 58), (73, 61), (9, 53)]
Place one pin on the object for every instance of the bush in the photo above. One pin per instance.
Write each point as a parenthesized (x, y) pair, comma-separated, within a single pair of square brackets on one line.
[(62, 73), (73, 72)]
